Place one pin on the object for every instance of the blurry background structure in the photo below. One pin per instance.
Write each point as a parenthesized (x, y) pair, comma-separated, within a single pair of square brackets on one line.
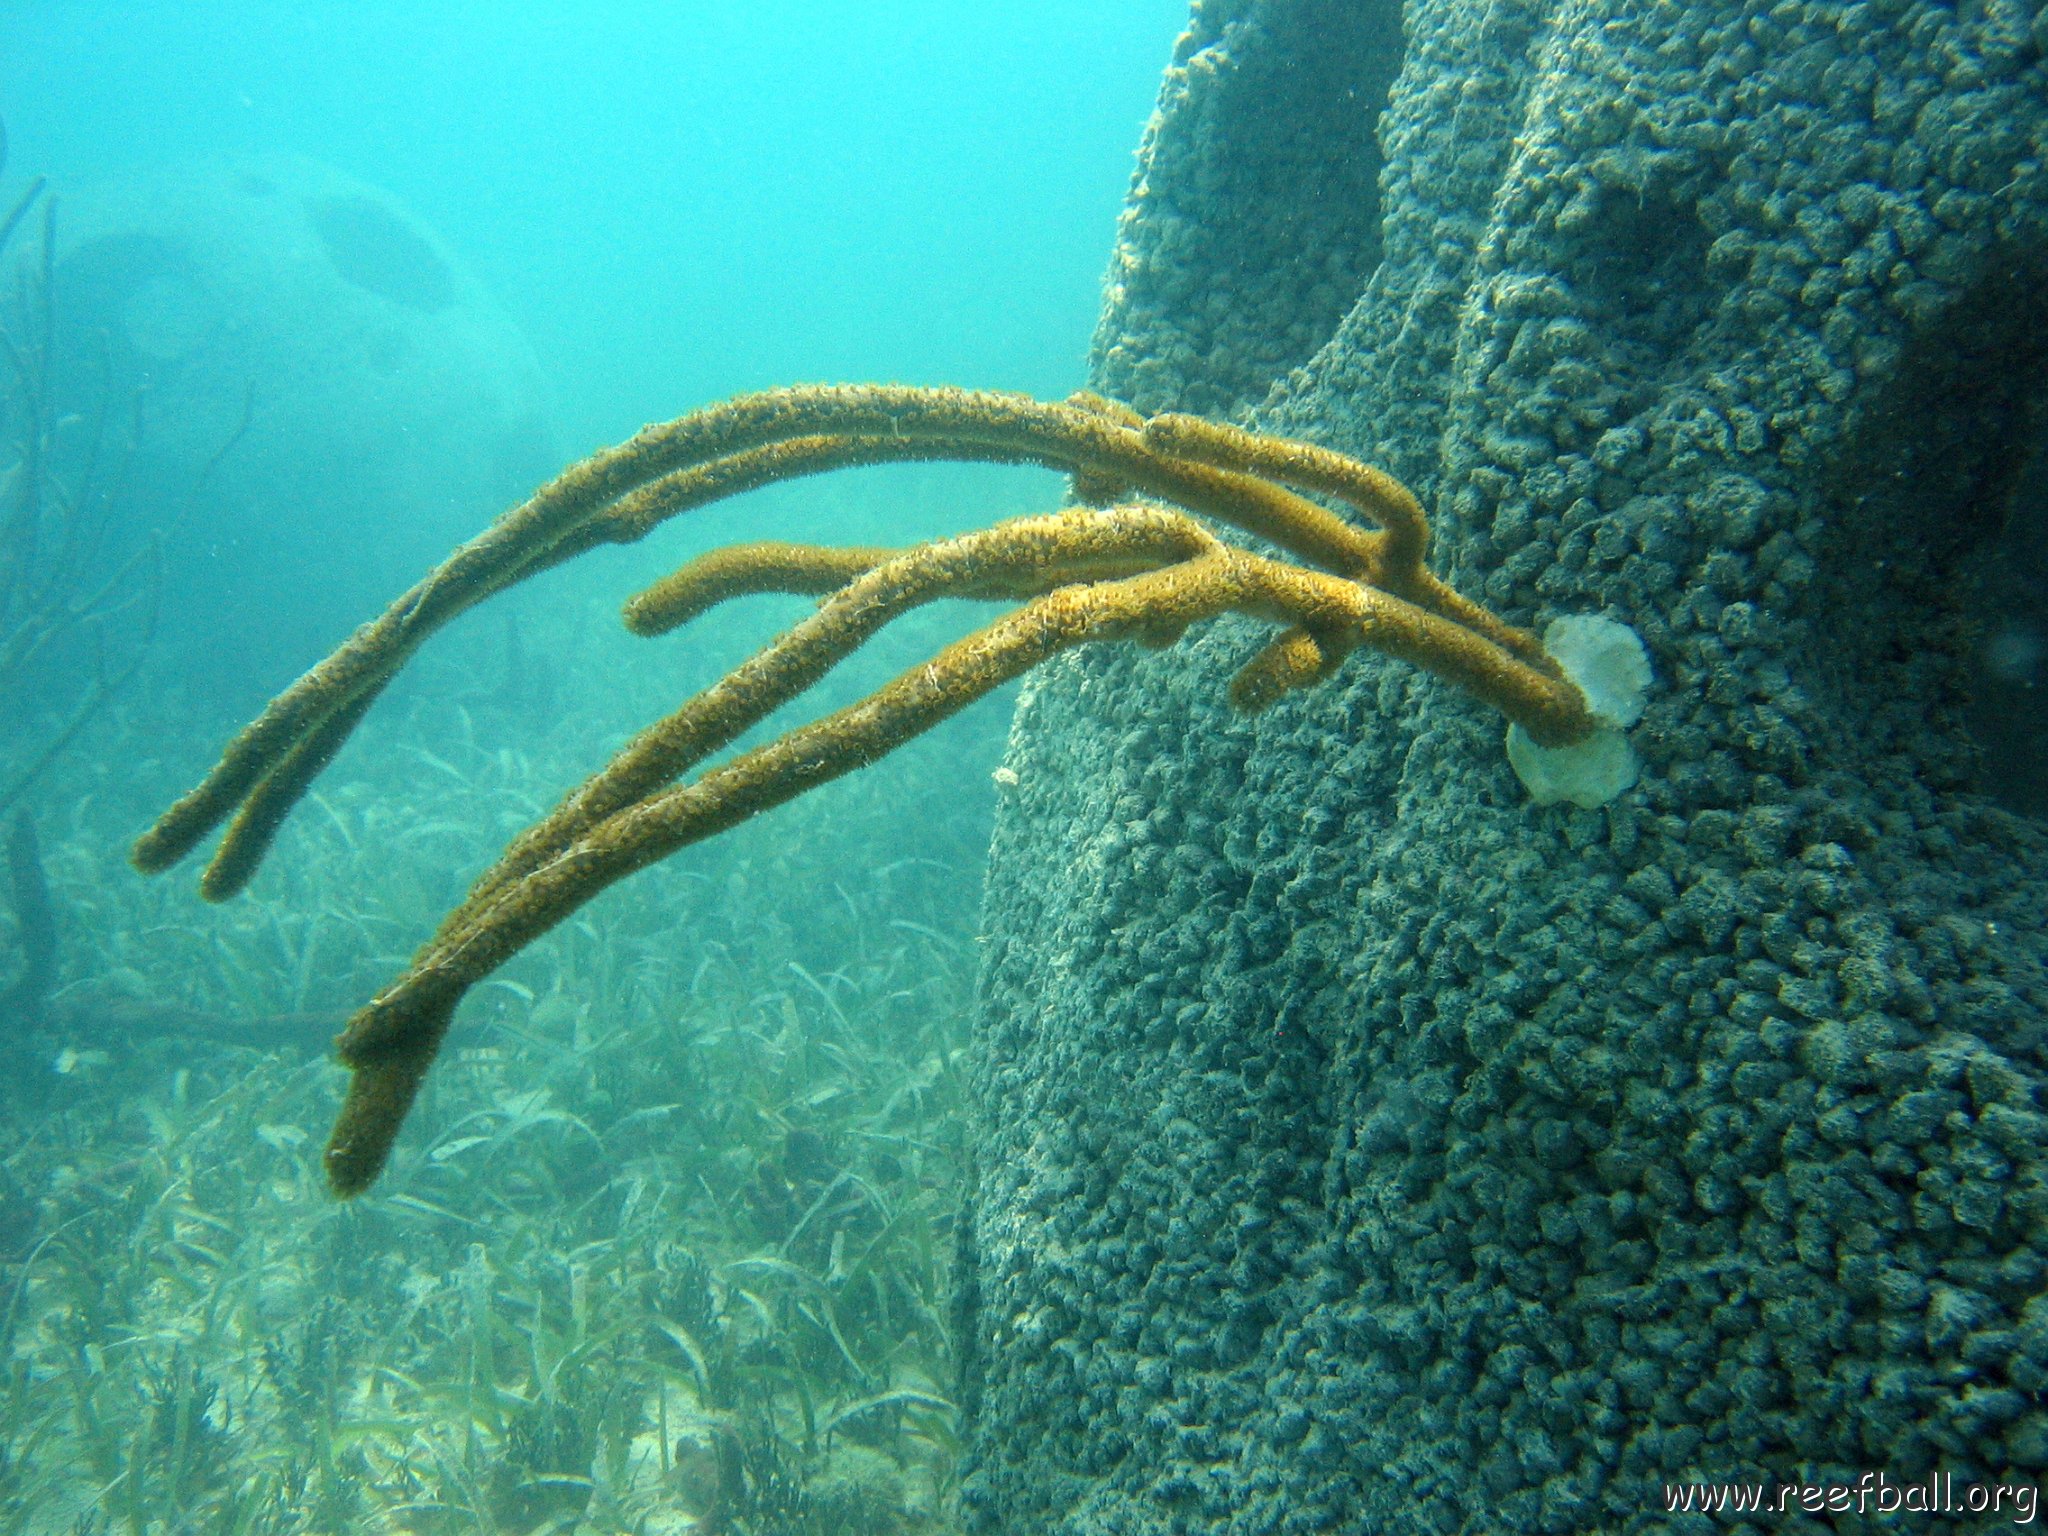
[(377, 400)]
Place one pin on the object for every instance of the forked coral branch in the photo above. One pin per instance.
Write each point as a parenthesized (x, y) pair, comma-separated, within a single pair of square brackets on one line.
[(1132, 570)]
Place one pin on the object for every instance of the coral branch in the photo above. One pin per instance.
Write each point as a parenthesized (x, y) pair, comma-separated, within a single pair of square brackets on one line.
[(619, 495), (1389, 503), (1087, 574), (741, 569)]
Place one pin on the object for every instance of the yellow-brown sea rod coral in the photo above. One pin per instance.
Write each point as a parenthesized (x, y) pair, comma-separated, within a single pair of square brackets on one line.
[(1130, 571)]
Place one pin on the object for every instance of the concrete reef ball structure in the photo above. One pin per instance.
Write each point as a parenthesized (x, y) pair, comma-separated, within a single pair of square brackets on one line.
[(1363, 1149), (365, 379)]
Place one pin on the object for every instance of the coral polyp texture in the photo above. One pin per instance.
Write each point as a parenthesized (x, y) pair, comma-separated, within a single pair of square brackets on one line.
[(1133, 570)]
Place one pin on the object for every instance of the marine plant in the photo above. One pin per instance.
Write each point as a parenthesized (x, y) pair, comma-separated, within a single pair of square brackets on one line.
[(71, 601), (600, 1290), (1109, 568)]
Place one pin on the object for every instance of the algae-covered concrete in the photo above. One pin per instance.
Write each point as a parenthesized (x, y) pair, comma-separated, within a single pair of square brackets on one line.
[(1364, 1149)]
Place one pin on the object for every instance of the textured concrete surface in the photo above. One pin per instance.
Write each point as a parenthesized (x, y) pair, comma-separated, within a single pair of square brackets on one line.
[(1363, 1149)]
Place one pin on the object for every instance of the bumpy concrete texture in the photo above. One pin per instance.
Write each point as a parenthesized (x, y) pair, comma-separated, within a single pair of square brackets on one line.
[(1363, 1149), (1268, 109)]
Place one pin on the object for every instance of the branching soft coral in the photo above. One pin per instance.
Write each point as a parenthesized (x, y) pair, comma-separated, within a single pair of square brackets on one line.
[(1120, 569)]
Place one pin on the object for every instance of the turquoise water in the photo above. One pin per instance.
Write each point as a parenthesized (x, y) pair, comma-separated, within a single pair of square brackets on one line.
[(675, 202), (433, 254), (299, 298)]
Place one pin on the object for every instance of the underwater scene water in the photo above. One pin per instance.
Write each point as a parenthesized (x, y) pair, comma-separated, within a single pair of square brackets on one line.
[(1300, 788), (306, 296)]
